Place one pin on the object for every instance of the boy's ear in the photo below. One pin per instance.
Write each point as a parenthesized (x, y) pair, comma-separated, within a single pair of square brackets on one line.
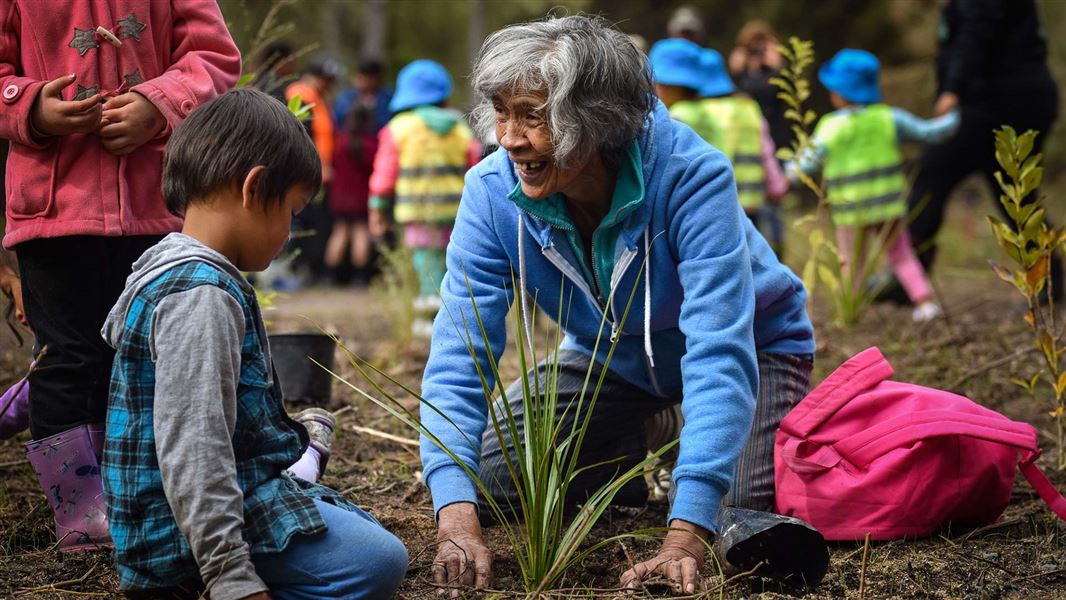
[(251, 182)]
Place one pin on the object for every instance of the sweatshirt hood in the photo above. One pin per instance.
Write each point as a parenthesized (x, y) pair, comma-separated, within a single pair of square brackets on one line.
[(173, 250), (440, 120)]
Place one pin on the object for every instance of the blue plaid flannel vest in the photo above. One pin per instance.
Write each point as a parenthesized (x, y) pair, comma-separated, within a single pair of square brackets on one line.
[(150, 551)]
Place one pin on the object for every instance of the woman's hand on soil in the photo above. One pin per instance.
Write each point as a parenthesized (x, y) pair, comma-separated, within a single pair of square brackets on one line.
[(129, 120), (52, 115), (462, 557), (679, 560)]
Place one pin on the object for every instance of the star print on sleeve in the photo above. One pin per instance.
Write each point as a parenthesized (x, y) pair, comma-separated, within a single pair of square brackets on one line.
[(131, 28), (83, 40)]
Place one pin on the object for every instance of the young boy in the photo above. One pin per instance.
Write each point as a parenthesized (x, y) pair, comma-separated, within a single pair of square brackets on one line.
[(745, 139), (679, 75), (857, 149), (422, 156), (198, 442)]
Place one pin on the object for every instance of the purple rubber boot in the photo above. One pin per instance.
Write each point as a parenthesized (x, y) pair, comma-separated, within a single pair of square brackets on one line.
[(69, 472), (16, 417)]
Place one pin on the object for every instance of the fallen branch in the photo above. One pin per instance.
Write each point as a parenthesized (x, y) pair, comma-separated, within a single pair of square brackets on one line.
[(56, 587), (862, 569), (989, 366), (386, 436)]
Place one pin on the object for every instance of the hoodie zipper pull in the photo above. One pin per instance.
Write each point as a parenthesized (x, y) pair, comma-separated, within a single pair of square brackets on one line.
[(614, 332)]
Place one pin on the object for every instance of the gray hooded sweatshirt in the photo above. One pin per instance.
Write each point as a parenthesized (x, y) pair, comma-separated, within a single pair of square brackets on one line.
[(196, 346)]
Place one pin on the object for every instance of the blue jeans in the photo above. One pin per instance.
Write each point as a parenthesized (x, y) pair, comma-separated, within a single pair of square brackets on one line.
[(355, 558)]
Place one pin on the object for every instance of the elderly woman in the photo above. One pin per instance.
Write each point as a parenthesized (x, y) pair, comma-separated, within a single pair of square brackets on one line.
[(592, 179)]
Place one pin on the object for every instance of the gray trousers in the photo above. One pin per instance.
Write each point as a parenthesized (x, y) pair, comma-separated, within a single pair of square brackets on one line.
[(617, 431)]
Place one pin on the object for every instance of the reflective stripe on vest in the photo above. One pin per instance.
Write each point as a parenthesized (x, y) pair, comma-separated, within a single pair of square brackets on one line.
[(740, 124), (429, 183), (862, 167)]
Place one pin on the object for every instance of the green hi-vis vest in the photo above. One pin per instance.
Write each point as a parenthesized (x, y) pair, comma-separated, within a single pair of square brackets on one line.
[(862, 166), (431, 168), (696, 116), (740, 138)]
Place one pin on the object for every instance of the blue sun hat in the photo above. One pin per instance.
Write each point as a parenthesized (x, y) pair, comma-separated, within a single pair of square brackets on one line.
[(421, 83), (676, 61), (716, 80), (853, 75)]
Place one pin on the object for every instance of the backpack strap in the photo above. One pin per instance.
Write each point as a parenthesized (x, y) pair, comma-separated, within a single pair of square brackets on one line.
[(858, 374), (1042, 485), (862, 448)]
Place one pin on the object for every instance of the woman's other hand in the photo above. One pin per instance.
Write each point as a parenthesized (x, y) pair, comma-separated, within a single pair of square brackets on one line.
[(680, 560), (462, 557)]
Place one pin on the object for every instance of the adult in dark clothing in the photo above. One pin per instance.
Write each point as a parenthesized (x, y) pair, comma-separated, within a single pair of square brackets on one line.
[(992, 64), (752, 63)]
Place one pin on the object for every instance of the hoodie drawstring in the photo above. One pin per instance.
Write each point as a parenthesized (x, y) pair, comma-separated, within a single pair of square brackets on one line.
[(526, 319), (527, 324), (647, 302)]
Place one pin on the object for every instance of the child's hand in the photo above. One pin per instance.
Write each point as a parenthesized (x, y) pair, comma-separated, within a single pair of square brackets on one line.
[(259, 596), (129, 120), (11, 285), (52, 115), (377, 223)]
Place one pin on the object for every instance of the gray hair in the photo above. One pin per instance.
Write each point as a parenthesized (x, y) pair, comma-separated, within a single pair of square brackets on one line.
[(599, 87)]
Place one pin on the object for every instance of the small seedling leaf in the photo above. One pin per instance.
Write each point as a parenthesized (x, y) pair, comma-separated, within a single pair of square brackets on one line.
[(1037, 274), (1002, 272)]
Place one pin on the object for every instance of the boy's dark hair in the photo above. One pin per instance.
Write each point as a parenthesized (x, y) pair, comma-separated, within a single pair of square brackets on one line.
[(220, 142)]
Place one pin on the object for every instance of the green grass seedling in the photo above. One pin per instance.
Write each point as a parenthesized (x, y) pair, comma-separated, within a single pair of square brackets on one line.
[(548, 539)]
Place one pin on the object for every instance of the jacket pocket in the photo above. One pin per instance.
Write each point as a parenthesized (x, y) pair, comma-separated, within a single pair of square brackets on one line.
[(31, 182)]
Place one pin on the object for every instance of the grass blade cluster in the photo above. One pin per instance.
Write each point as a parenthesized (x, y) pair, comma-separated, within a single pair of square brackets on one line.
[(549, 536)]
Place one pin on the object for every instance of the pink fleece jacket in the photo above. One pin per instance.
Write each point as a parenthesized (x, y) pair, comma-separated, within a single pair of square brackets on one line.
[(176, 53)]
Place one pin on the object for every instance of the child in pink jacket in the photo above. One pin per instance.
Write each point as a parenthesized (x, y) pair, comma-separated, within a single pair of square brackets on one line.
[(89, 93)]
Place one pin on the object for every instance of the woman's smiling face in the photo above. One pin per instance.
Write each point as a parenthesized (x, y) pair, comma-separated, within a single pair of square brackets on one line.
[(522, 129)]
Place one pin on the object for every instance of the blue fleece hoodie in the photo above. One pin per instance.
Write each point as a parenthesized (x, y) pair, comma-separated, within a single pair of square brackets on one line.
[(717, 295)]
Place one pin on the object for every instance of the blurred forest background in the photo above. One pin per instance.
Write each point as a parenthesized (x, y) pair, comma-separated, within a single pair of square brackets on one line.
[(902, 33)]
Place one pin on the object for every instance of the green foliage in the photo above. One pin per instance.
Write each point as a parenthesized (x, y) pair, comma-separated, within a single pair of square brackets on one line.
[(396, 289), (1030, 244), (547, 541)]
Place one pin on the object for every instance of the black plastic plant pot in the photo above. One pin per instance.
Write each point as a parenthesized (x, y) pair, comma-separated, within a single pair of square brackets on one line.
[(301, 379)]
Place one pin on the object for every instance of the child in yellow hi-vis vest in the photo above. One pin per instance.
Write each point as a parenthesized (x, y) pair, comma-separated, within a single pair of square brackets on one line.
[(422, 156), (675, 65), (744, 138), (857, 149)]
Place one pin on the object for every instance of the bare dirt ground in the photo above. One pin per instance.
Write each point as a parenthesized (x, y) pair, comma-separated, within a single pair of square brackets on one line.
[(1021, 556)]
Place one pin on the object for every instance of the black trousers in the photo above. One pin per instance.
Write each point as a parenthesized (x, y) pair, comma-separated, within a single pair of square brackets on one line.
[(69, 284), (1025, 105)]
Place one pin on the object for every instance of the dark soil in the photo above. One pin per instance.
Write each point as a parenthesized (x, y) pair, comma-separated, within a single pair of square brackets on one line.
[(1021, 556)]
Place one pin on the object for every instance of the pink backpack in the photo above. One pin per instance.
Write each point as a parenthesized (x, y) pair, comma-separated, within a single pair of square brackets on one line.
[(862, 454)]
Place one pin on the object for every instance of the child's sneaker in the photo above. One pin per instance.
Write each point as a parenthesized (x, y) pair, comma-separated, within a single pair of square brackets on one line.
[(926, 311), (320, 424)]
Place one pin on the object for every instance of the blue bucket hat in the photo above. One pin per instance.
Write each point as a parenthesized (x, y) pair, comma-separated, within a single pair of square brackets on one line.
[(420, 83), (676, 62), (852, 74), (716, 80)]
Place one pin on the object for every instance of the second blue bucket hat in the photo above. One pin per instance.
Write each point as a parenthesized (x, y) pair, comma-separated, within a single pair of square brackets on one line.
[(852, 74), (420, 83), (677, 62), (716, 80)]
